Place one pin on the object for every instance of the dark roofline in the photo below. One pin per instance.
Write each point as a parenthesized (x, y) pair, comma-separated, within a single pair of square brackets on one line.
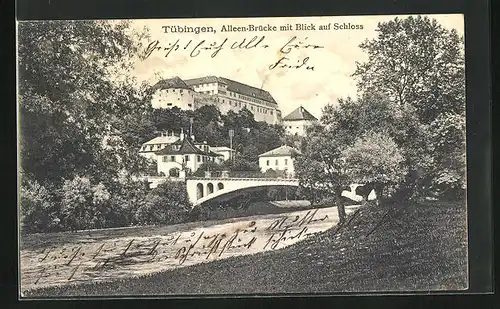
[(175, 82), (299, 114), (187, 147)]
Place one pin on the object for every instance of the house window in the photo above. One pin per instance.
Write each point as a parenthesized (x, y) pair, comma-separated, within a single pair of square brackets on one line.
[(173, 90), (166, 91), (186, 158), (181, 91), (150, 147), (169, 104), (267, 162), (198, 158), (286, 161), (276, 162), (189, 105), (165, 159)]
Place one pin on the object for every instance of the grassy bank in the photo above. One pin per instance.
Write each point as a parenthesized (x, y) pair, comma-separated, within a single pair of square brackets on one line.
[(400, 247)]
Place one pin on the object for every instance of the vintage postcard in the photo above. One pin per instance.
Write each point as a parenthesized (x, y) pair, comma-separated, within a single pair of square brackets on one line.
[(242, 156)]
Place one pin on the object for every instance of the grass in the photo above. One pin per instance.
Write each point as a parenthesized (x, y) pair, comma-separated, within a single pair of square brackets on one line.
[(387, 248)]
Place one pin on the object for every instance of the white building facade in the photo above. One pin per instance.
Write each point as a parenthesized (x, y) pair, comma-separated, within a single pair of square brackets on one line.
[(149, 148), (225, 153), (183, 155), (173, 92), (297, 122), (280, 159), (226, 94)]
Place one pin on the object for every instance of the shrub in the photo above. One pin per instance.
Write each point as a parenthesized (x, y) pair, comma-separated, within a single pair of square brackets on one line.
[(166, 204), (38, 211), (84, 205)]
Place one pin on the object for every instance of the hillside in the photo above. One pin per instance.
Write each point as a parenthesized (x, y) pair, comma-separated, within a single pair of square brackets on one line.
[(400, 247)]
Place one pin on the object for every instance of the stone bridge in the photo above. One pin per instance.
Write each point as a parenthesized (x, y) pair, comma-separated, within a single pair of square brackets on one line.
[(203, 189)]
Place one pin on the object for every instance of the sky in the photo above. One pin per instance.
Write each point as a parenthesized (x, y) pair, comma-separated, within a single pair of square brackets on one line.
[(333, 63)]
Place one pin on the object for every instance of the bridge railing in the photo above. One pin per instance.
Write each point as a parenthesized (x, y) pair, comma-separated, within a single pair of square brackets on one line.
[(246, 174), (245, 178)]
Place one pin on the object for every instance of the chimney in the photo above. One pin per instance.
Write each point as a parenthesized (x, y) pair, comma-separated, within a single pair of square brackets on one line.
[(182, 134)]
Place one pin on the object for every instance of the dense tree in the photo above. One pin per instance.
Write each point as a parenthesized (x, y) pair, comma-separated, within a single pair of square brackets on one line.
[(68, 95), (375, 158), (321, 166), (416, 61), (419, 66)]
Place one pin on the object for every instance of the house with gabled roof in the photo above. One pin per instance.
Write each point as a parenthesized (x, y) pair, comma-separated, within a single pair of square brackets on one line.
[(184, 155), (297, 122), (280, 159)]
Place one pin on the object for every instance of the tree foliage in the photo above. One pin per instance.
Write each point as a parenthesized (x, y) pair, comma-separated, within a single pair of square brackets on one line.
[(418, 65)]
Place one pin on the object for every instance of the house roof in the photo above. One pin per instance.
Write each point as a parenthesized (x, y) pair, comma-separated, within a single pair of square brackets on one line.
[(234, 86), (162, 140), (174, 82), (280, 151), (300, 113), (222, 148), (187, 147)]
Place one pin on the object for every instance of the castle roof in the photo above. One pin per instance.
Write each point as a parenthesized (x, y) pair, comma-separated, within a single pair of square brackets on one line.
[(280, 151), (174, 82), (300, 113), (234, 86)]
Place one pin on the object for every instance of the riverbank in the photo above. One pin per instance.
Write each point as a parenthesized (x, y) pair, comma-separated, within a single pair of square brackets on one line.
[(390, 248)]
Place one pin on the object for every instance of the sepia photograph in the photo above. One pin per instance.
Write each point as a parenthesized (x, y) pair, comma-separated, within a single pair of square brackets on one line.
[(242, 156)]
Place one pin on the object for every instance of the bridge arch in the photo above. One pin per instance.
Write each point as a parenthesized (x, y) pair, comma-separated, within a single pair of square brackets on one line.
[(204, 190), (199, 191)]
